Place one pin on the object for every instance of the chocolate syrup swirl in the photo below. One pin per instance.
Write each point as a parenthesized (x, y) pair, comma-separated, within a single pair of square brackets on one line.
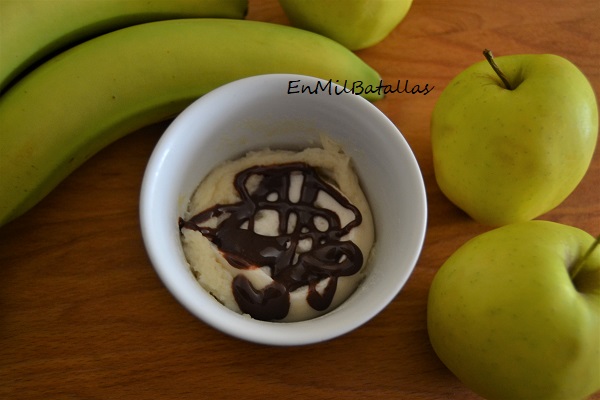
[(306, 249)]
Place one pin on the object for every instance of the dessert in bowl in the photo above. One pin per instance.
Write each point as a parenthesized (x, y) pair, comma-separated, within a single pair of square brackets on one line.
[(295, 268)]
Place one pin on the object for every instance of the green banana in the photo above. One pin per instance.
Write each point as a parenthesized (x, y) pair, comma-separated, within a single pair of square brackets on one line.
[(66, 110), (31, 30)]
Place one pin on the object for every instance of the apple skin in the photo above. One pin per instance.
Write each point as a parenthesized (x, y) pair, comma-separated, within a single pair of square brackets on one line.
[(356, 24), (504, 316), (506, 156)]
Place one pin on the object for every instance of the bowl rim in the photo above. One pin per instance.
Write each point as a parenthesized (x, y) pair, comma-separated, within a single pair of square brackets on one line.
[(198, 301)]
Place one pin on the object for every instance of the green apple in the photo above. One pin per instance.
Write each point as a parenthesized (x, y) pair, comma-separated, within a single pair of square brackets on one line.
[(356, 24), (507, 155), (515, 313)]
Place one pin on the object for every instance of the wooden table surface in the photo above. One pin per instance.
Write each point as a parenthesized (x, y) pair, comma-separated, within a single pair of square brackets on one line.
[(84, 316)]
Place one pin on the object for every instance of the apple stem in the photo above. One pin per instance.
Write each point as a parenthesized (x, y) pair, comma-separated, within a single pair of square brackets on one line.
[(577, 267), (490, 58)]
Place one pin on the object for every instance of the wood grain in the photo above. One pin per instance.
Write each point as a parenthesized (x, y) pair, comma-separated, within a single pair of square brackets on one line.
[(84, 316)]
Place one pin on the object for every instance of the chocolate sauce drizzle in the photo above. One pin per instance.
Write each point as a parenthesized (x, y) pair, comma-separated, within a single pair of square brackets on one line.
[(291, 266)]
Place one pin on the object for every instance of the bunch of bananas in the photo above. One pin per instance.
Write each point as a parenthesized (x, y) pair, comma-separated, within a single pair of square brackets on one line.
[(77, 75)]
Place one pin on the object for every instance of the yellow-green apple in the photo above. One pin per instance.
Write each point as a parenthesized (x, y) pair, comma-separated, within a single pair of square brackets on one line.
[(356, 24), (509, 154), (515, 312)]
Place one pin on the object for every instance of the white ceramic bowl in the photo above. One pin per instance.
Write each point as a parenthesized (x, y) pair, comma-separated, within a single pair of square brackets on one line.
[(258, 112)]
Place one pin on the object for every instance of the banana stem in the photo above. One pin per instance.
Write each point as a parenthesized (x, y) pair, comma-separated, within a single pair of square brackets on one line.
[(490, 58), (577, 267)]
